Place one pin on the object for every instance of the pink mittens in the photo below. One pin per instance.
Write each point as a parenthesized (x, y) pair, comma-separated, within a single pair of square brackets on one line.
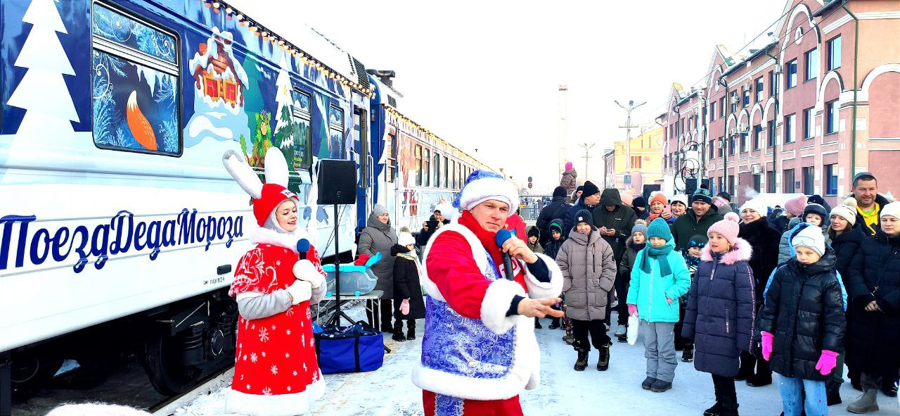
[(767, 339), (827, 362), (404, 307), (632, 309)]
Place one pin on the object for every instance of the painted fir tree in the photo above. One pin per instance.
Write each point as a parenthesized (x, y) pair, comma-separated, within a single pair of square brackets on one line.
[(42, 92), (284, 128)]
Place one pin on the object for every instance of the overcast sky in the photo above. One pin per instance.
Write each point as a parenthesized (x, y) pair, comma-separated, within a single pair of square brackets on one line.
[(485, 74)]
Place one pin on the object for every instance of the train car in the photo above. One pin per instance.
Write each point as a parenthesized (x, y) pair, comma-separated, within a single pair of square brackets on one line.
[(416, 171), (117, 218)]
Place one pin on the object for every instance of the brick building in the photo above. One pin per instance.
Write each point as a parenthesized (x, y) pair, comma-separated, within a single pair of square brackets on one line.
[(803, 113)]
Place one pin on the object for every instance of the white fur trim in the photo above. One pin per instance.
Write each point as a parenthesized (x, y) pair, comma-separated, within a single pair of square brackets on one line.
[(496, 302), (479, 256), (300, 291), (317, 294), (523, 374), (275, 405), (538, 289), (276, 167), (266, 236), (304, 270), (96, 409), (242, 173), (483, 189)]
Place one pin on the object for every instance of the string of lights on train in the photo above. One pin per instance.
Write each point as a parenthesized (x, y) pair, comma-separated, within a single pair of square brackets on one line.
[(267, 35)]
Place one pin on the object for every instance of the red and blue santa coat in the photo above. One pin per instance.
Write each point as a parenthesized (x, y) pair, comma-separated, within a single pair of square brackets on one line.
[(276, 371), (475, 358)]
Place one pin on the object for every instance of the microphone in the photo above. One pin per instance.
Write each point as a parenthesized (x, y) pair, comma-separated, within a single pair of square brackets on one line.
[(501, 238), (302, 247)]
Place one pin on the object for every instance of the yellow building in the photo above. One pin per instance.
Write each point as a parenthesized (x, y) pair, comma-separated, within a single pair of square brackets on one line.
[(646, 161)]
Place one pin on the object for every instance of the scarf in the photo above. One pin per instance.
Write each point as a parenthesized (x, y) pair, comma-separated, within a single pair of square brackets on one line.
[(659, 254)]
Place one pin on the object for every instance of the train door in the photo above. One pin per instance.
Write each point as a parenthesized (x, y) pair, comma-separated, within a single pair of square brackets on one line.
[(364, 192)]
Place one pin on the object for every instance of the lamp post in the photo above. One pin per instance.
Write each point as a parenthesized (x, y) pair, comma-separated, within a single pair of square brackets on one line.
[(631, 107)]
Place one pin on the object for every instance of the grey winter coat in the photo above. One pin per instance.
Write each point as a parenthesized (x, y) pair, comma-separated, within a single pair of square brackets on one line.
[(589, 271), (379, 237)]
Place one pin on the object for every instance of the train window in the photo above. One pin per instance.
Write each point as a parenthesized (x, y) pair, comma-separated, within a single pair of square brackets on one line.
[(426, 168), (390, 159), (437, 170), (135, 84), (301, 130), (444, 182), (336, 133), (418, 165)]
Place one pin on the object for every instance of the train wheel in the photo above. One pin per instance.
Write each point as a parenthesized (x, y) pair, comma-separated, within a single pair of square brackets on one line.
[(168, 376)]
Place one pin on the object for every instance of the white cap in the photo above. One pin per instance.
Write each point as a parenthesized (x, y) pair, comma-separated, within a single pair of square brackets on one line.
[(405, 239), (810, 237), (892, 209), (847, 210), (680, 198), (756, 204)]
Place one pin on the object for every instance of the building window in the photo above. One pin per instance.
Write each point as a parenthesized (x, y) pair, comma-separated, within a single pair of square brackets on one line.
[(746, 98), (744, 144), (731, 147), (760, 86), (734, 101), (418, 154), (336, 132), (789, 128), (809, 123), (831, 179), (773, 83), (834, 53), (830, 118), (452, 174), (808, 179), (731, 184), (722, 106), (390, 150), (712, 149), (812, 64), (712, 111), (436, 168), (721, 186), (790, 74), (446, 166), (136, 87), (770, 131), (426, 169), (788, 181), (635, 162), (770, 182), (757, 132), (757, 183)]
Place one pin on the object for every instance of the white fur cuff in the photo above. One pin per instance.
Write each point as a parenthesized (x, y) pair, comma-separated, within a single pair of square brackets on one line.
[(497, 299), (538, 289), (306, 271)]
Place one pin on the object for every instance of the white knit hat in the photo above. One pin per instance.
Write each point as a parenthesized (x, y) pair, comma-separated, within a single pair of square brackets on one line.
[(482, 185), (758, 205), (892, 209), (405, 239), (846, 210), (680, 198), (810, 237)]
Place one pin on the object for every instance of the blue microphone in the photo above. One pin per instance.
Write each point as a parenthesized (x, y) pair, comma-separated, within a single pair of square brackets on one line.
[(302, 247), (501, 238)]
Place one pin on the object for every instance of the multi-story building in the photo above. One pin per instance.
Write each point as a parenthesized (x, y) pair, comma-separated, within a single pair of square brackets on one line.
[(638, 165), (609, 168), (804, 113)]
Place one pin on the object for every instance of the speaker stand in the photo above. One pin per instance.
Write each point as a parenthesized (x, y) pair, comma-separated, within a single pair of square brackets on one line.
[(338, 313)]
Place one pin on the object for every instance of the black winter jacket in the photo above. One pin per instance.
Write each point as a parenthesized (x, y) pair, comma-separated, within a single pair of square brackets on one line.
[(804, 310), (556, 209), (874, 274), (569, 219), (621, 219), (721, 310), (764, 239), (687, 226), (845, 247), (407, 285)]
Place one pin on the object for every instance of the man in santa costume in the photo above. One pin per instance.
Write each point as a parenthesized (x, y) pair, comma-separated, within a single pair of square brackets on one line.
[(479, 350), (276, 372)]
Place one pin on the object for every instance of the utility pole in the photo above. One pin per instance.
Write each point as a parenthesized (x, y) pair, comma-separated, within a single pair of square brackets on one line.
[(631, 107), (587, 156), (563, 127)]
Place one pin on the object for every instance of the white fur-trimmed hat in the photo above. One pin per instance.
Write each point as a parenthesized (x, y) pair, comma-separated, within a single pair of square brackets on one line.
[(758, 205), (846, 210), (481, 186), (405, 239)]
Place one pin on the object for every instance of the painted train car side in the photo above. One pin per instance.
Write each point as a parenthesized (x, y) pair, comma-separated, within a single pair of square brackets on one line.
[(114, 116), (417, 171)]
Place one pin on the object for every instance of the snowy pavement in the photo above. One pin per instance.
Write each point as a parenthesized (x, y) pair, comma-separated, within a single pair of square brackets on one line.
[(563, 391)]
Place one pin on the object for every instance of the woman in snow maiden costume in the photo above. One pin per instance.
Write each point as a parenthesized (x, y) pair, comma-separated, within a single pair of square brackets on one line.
[(275, 371), (478, 352)]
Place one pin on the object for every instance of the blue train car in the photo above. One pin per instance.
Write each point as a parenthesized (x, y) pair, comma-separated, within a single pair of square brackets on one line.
[(115, 209)]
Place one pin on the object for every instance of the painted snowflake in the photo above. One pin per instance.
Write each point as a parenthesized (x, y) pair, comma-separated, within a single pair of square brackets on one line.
[(248, 387), (245, 357), (273, 327), (253, 357), (264, 354), (287, 355), (295, 373), (263, 335), (288, 331), (278, 262), (288, 388), (267, 391), (304, 367), (303, 340), (290, 311), (274, 370)]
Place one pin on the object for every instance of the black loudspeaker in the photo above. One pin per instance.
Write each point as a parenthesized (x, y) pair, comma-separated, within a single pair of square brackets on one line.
[(337, 182), (690, 185)]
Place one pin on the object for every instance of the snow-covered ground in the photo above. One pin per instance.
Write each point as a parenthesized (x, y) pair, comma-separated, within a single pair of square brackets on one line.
[(563, 391)]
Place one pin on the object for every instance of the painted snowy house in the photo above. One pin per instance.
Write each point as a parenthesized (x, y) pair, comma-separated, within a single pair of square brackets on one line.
[(214, 71)]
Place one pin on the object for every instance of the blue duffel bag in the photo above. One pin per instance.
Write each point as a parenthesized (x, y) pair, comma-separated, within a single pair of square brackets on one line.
[(349, 349)]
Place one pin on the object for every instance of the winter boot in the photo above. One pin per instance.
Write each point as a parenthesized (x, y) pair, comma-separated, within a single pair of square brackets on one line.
[(554, 323), (729, 407), (834, 397), (398, 332), (648, 383), (888, 387), (410, 330), (622, 332), (868, 402), (537, 323), (568, 339), (715, 410), (748, 363), (603, 362), (581, 362), (688, 354), (763, 376), (660, 386)]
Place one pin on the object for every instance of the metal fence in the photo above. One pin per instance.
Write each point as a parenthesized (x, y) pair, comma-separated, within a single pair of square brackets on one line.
[(530, 206)]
